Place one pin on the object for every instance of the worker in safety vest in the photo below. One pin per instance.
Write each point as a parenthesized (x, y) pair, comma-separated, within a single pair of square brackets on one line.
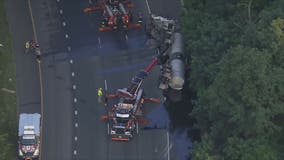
[(102, 97), (33, 47), (31, 44), (100, 92), (27, 45)]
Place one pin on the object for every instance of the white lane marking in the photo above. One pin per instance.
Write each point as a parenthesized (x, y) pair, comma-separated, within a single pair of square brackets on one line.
[(156, 149), (66, 36), (72, 74), (60, 11), (75, 138), (166, 152), (68, 48), (76, 124), (71, 61), (75, 100), (168, 145), (75, 152), (76, 112), (108, 129), (105, 84), (126, 37), (63, 23), (100, 44), (148, 7), (137, 126), (74, 87), (58, 0)]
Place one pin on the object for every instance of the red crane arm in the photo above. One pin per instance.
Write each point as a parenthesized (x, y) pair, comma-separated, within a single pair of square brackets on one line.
[(151, 65), (137, 81)]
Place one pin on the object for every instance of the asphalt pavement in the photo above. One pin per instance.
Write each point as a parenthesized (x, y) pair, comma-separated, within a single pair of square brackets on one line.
[(27, 81), (77, 59), (166, 8)]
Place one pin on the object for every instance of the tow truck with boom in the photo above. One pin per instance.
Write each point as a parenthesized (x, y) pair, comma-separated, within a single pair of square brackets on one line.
[(116, 14), (127, 113)]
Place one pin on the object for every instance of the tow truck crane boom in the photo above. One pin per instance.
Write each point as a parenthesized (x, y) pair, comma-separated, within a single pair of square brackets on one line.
[(137, 81), (127, 113), (115, 14)]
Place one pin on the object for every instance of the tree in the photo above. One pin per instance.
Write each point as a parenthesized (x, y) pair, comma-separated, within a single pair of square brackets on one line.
[(237, 71), (241, 102), (252, 149)]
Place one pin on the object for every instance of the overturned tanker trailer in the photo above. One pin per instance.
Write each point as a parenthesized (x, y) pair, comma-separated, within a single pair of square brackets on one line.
[(163, 32), (173, 71)]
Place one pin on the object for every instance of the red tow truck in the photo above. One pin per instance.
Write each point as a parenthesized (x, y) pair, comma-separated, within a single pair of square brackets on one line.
[(116, 14), (124, 116)]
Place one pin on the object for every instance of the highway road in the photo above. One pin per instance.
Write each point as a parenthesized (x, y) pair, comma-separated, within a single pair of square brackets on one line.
[(114, 57), (77, 60)]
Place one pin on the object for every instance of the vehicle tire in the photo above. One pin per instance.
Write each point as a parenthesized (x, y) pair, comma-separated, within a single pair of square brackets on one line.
[(137, 128), (108, 130)]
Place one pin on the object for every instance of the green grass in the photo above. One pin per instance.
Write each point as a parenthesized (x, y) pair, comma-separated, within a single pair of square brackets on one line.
[(280, 140), (8, 100)]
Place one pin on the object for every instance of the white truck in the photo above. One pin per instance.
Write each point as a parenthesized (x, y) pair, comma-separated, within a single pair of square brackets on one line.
[(29, 136)]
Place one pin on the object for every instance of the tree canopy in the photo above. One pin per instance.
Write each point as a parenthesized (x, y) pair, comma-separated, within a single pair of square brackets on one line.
[(237, 71)]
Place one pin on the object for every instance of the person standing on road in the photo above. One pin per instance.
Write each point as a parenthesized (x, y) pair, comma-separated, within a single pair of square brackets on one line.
[(100, 94), (32, 46), (102, 97), (27, 45)]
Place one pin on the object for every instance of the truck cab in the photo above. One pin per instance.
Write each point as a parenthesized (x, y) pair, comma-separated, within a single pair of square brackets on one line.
[(28, 144), (29, 137), (122, 125)]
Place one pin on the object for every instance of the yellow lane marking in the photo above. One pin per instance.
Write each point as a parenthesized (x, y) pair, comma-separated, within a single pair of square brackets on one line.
[(32, 19), (40, 77), (41, 104)]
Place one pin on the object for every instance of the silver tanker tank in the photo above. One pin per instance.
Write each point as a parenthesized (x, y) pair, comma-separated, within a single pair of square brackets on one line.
[(176, 63)]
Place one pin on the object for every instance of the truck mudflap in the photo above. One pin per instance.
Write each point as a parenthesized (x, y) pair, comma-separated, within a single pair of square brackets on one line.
[(28, 158), (128, 26), (120, 138)]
